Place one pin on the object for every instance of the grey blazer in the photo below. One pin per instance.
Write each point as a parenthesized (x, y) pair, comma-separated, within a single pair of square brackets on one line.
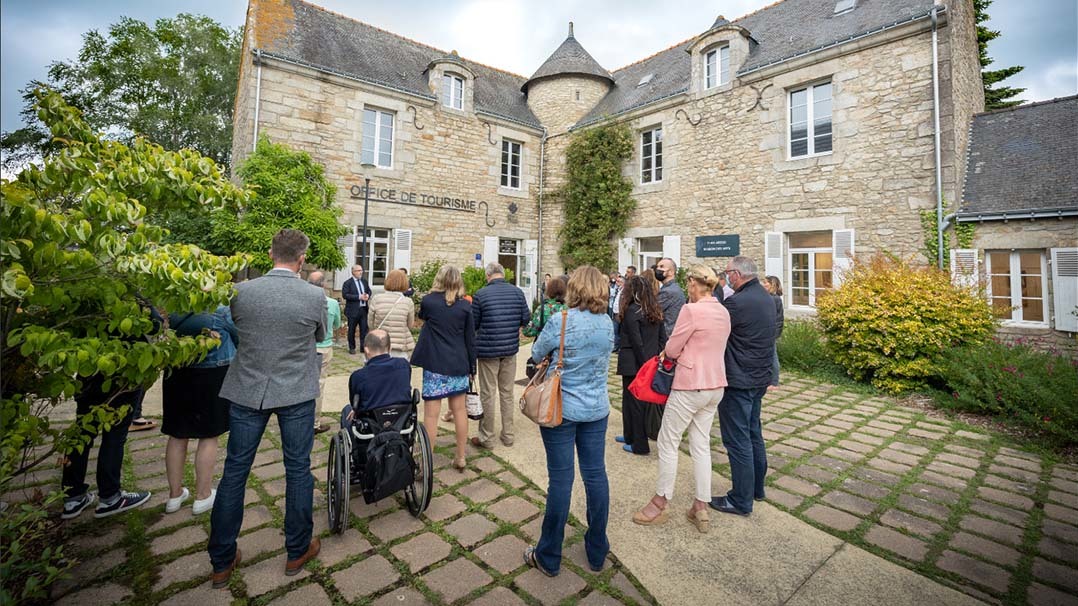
[(280, 318)]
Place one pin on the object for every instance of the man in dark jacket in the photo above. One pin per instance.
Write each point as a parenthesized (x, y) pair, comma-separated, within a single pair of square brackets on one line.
[(500, 311), (356, 293), (383, 380), (671, 297), (748, 373)]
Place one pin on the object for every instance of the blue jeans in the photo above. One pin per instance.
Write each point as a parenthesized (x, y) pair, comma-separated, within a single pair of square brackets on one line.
[(246, 426), (742, 437), (590, 441)]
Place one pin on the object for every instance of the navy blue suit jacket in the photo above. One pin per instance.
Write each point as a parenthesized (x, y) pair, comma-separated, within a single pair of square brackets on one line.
[(383, 381)]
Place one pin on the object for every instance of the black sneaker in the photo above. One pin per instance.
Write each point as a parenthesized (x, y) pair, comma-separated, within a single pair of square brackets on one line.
[(126, 500), (73, 507)]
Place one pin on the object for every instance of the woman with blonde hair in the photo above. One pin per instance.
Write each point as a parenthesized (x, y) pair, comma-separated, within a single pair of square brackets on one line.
[(589, 337), (698, 343), (394, 312), (446, 353)]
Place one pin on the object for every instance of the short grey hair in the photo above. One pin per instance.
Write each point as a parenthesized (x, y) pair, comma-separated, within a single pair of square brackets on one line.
[(744, 266), (672, 262), (317, 278), (377, 341), (494, 269)]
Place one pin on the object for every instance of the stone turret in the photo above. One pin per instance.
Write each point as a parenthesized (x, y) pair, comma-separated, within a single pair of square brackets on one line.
[(566, 86)]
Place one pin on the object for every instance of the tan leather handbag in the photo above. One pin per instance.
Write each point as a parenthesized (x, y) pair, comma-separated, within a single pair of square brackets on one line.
[(541, 401)]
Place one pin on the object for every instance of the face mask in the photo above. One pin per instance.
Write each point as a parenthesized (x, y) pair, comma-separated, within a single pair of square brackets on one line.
[(660, 275)]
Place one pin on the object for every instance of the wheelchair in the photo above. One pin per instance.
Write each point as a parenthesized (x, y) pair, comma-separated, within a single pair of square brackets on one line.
[(348, 462)]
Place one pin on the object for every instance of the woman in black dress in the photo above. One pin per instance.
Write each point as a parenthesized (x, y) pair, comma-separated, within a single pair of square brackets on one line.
[(193, 410), (642, 338)]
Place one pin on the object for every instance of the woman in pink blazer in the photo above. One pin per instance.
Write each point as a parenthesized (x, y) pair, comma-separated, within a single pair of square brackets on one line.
[(698, 343)]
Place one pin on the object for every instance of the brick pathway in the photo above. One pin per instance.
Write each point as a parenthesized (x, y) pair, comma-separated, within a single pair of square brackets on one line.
[(948, 500)]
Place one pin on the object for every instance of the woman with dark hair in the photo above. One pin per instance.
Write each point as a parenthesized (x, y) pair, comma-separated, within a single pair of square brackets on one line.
[(643, 337), (554, 304), (774, 286)]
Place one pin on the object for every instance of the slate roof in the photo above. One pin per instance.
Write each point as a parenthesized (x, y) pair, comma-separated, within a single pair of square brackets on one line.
[(1023, 158), (569, 58), (337, 44), (782, 30)]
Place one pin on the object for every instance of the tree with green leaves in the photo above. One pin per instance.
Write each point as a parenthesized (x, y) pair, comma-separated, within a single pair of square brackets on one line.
[(173, 83), (288, 190), (1001, 97), (596, 196)]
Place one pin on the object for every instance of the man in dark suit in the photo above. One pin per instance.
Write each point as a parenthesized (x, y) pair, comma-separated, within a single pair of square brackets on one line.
[(356, 292), (383, 380)]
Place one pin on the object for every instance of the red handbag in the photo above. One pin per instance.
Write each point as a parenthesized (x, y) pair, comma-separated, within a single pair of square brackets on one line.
[(641, 386)]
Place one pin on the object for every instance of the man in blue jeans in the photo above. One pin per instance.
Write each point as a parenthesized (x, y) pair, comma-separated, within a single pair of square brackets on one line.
[(280, 319), (748, 372)]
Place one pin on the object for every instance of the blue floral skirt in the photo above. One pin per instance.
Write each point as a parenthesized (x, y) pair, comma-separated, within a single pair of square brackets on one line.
[(436, 386)]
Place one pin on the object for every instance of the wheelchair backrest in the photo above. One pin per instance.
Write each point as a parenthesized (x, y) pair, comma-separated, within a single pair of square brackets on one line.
[(384, 418)]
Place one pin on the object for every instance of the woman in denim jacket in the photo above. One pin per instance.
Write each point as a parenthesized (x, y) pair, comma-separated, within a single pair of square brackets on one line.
[(192, 408), (589, 337)]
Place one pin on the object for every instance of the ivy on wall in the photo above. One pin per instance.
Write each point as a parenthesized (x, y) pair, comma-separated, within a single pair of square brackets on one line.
[(961, 234), (596, 196)]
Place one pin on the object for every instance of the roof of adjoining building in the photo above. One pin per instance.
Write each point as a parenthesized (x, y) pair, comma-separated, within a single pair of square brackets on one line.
[(569, 58), (1018, 159)]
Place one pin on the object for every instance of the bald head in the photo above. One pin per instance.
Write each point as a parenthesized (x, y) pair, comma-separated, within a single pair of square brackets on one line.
[(317, 278), (376, 343)]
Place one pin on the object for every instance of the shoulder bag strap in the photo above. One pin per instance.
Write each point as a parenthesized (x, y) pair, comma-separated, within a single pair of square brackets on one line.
[(389, 310), (561, 346)]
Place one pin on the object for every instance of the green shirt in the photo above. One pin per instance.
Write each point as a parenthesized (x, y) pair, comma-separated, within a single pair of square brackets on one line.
[(333, 321), (541, 315)]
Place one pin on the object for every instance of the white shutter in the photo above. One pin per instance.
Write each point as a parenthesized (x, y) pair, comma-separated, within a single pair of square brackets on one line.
[(348, 249), (490, 250), (1065, 287), (672, 248), (773, 255), (529, 278), (625, 254), (841, 254), (402, 250), (964, 267)]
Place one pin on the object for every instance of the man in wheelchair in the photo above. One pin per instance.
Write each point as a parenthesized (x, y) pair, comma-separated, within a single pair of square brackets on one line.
[(383, 381)]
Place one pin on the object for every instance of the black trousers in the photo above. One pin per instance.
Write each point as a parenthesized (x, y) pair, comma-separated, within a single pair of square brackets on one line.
[(359, 321), (633, 414), (110, 458)]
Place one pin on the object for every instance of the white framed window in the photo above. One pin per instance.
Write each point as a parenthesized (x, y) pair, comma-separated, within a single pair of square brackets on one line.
[(810, 120), (810, 257), (377, 138), (510, 164), (378, 257), (1016, 285), (649, 251), (717, 67), (651, 155), (511, 256), (452, 91)]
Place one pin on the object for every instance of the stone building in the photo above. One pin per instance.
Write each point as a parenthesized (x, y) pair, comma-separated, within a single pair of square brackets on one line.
[(800, 134)]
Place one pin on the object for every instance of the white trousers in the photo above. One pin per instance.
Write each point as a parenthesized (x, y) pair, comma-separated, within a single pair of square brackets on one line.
[(694, 410)]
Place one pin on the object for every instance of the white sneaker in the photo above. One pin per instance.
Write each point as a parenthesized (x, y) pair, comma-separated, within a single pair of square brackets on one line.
[(174, 504), (204, 505)]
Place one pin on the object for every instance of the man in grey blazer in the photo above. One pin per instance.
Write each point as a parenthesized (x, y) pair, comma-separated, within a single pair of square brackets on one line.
[(280, 318)]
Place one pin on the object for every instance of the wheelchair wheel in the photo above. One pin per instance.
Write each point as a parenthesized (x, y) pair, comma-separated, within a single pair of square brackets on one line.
[(418, 494), (338, 480)]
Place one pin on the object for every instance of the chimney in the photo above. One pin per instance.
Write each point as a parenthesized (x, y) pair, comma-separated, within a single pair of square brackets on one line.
[(570, 29)]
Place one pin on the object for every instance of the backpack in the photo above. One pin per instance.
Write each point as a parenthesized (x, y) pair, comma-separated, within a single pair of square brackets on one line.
[(389, 466)]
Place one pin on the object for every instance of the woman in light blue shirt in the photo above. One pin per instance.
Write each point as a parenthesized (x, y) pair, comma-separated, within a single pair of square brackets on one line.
[(589, 337)]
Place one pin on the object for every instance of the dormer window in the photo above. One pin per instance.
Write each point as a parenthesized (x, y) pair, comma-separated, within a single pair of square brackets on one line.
[(453, 91), (717, 67), (645, 80)]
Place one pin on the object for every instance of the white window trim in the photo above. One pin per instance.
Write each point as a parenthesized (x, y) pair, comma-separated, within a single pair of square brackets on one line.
[(379, 115), (639, 254), (455, 97), (1015, 273), (506, 169), (811, 119), (360, 257), (653, 180), (789, 290), (720, 76)]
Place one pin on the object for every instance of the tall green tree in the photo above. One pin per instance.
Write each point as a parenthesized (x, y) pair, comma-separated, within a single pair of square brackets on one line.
[(173, 82), (994, 97), (288, 190)]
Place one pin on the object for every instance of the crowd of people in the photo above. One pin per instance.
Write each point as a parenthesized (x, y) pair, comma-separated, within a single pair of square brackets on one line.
[(276, 340)]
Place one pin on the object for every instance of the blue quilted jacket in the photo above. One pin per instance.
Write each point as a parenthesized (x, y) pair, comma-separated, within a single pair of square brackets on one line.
[(500, 311)]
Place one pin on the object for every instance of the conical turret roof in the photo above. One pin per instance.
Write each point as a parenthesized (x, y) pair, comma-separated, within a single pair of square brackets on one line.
[(569, 58)]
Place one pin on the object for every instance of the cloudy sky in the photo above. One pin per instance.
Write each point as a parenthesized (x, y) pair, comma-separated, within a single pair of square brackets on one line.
[(517, 35)]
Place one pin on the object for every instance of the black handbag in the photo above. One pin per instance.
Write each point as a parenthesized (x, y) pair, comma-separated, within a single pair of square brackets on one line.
[(663, 381)]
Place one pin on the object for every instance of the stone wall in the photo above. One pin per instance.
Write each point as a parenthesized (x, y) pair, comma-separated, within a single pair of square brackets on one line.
[(562, 101), (961, 94)]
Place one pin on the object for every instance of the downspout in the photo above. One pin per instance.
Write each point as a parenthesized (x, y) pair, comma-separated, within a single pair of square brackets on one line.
[(258, 95), (936, 137), (539, 251)]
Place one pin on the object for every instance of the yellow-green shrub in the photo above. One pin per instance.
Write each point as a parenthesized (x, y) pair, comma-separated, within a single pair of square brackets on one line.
[(890, 321)]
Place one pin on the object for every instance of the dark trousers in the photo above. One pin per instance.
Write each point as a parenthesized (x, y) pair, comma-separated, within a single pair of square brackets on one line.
[(246, 426), (633, 414), (110, 458), (617, 330), (742, 436), (353, 322), (589, 441)]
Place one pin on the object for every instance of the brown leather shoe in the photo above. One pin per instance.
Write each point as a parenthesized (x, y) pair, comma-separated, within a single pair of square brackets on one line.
[(478, 444), (220, 579), (294, 566)]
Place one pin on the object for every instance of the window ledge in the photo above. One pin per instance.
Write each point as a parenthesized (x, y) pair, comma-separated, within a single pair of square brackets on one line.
[(1031, 327), (645, 188), (514, 192)]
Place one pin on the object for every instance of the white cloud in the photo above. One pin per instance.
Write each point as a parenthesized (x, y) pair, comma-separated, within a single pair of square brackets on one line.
[(1059, 79)]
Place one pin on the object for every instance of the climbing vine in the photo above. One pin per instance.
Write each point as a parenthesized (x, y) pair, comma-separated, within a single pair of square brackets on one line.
[(961, 234), (596, 196)]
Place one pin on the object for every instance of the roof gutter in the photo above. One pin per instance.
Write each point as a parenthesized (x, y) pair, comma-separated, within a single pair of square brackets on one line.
[(258, 96), (540, 287), (1014, 215)]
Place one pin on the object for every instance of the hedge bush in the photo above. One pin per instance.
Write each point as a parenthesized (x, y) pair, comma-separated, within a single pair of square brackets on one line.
[(476, 278), (1030, 388), (891, 321), (801, 346)]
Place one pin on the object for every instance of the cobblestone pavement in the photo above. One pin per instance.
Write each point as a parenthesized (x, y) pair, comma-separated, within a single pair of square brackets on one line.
[(954, 502)]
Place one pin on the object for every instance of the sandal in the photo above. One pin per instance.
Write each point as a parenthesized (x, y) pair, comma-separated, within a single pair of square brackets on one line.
[(643, 520), (531, 560), (141, 424), (700, 519), (460, 464), (448, 416)]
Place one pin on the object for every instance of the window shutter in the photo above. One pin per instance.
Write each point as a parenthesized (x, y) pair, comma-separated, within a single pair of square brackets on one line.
[(531, 255), (964, 267), (773, 255), (841, 253), (348, 249), (672, 248), (625, 254), (402, 250), (1065, 288), (490, 250)]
